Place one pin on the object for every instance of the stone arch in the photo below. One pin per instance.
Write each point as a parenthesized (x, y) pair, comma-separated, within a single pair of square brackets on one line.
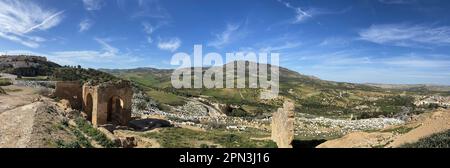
[(115, 109), (111, 103), (89, 106)]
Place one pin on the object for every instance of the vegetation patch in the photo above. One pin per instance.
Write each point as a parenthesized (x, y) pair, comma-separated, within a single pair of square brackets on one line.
[(186, 138), (5, 82), (98, 136), (399, 130), (166, 98), (439, 140)]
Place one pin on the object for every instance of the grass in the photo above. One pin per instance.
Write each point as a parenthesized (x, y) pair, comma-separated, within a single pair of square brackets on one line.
[(439, 140), (186, 138), (80, 142), (94, 133), (166, 98), (5, 82), (37, 78)]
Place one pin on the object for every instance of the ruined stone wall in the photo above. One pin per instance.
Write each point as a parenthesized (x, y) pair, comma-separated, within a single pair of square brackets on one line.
[(90, 102), (104, 99), (108, 95), (283, 125), (70, 91)]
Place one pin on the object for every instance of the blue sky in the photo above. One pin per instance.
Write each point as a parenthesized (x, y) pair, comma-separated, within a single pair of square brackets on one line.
[(380, 41)]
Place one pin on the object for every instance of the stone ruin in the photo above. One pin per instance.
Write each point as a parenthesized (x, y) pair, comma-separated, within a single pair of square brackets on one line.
[(104, 103), (283, 125)]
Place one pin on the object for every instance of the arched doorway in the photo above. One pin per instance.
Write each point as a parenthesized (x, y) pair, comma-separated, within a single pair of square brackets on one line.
[(115, 106), (88, 107)]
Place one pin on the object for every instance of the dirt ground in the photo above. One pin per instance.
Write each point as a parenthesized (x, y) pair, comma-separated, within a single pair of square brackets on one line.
[(422, 126), (28, 120)]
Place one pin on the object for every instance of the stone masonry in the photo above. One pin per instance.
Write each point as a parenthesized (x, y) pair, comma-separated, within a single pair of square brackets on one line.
[(283, 125), (104, 103), (108, 103)]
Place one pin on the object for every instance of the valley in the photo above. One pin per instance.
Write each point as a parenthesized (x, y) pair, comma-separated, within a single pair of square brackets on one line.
[(325, 111)]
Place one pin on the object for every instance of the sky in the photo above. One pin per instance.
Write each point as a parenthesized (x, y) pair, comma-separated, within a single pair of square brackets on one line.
[(359, 41)]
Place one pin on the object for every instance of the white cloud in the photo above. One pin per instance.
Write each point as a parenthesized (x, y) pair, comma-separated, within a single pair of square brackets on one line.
[(407, 35), (19, 19), (85, 25), (171, 44), (230, 34), (91, 5)]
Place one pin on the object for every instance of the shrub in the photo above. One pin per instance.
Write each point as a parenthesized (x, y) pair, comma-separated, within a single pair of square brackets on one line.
[(5, 82), (439, 140), (94, 133)]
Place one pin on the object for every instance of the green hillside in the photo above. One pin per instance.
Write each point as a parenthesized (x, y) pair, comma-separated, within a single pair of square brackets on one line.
[(312, 95)]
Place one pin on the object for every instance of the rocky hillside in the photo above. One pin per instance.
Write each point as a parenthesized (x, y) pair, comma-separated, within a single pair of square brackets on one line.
[(22, 65), (39, 68)]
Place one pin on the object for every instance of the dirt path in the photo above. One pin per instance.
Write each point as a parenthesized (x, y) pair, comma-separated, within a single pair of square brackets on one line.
[(17, 112), (17, 125), (16, 97)]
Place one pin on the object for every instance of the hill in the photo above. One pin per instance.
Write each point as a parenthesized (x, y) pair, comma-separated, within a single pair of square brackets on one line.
[(413, 87), (311, 95), (39, 68), (23, 65)]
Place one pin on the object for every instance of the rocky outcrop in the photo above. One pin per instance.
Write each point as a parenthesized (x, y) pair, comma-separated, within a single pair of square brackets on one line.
[(283, 125)]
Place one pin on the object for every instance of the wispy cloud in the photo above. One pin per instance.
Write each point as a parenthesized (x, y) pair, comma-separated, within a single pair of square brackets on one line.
[(19, 19), (407, 35), (149, 29), (151, 9), (417, 62), (106, 56), (304, 14), (109, 50), (106, 52), (301, 15), (335, 42), (92, 5), (285, 46), (231, 33), (85, 25), (171, 44)]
